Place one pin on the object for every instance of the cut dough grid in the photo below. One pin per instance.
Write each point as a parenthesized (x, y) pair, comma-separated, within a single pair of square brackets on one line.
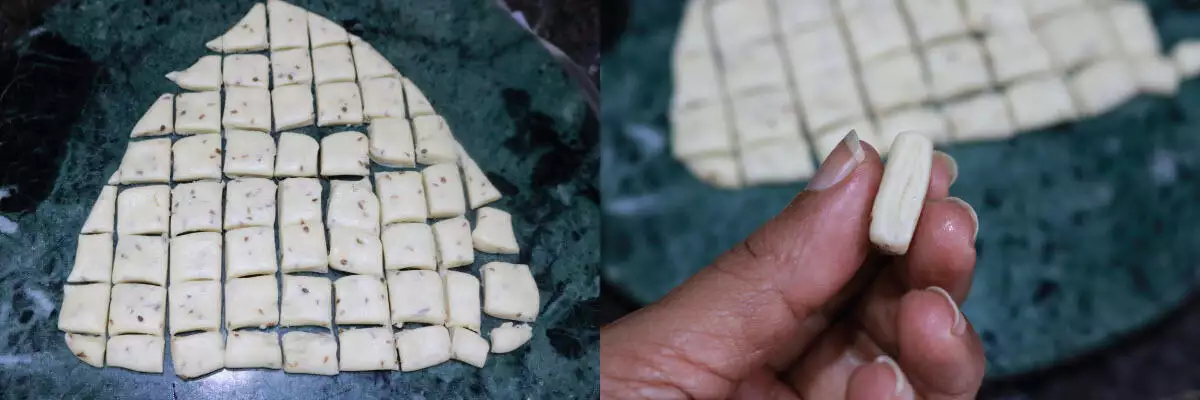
[(761, 84), (221, 212)]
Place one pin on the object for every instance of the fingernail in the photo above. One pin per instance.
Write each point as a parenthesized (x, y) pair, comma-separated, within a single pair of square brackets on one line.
[(885, 360), (951, 165), (971, 211), (959, 326), (840, 163)]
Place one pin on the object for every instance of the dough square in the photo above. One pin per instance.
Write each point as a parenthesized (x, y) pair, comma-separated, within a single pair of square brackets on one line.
[(753, 66), (1103, 86), (444, 190), (435, 142), (250, 251), (249, 153), (829, 99), (302, 247), (147, 161), (368, 62), (696, 80), (416, 296), (956, 68), (204, 74), (142, 353), (894, 82), (509, 292), (1039, 9), (980, 117), (480, 190), (292, 67), (247, 108), (198, 112), (701, 131), (249, 34), (251, 302), (1040, 102), (196, 207), (84, 308), (401, 196), (93, 259), (333, 64), (392, 142), (418, 104), (246, 70), (297, 155), (1156, 75), (721, 170), (367, 349), (289, 25), (140, 259), (361, 300), (795, 15), (741, 22), (995, 15), (494, 232), (779, 162), (293, 106), (468, 347), (462, 300), (196, 257), (310, 353), (144, 210), (157, 120), (409, 245), (1134, 28), (508, 337), (877, 32), (88, 348), (383, 97), (453, 237), (345, 153), (249, 202), (938, 19), (197, 355), (299, 201), (765, 116), (1016, 54), (355, 251), (352, 204), (306, 301), (423, 347), (925, 120), (323, 32), (252, 349), (104, 212), (1186, 55), (137, 308), (814, 51), (197, 157), (195, 306), (1077, 38)]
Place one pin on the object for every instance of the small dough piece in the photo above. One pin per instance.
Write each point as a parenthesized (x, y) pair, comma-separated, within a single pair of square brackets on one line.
[(203, 75), (468, 347), (435, 143), (995, 15), (144, 210), (454, 241), (765, 116), (779, 162), (494, 232), (1134, 28), (752, 67), (1103, 86), (158, 119), (196, 257), (142, 353), (956, 67), (409, 245), (1040, 102), (423, 347), (246, 70), (249, 153), (115, 178), (981, 117), (901, 193), (147, 161), (1078, 38), (251, 251), (444, 190), (302, 247), (249, 202), (88, 348), (333, 64), (195, 306), (137, 308), (894, 82), (196, 207), (367, 349), (299, 201), (297, 155), (198, 112), (251, 302), (1016, 54), (392, 142), (695, 77), (1186, 55), (480, 190), (416, 296), (741, 22), (383, 97), (418, 104), (345, 153), (361, 300), (1156, 75), (197, 157), (794, 16), (249, 34), (85, 308), (292, 67), (1039, 9), (93, 259), (306, 301), (197, 355), (830, 98), (352, 204), (323, 32), (877, 32), (508, 337), (104, 211), (401, 197), (701, 131), (939, 19), (247, 108), (462, 300), (289, 25), (293, 106), (720, 170), (355, 251), (509, 292), (820, 49), (369, 62), (310, 353), (925, 120), (252, 349)]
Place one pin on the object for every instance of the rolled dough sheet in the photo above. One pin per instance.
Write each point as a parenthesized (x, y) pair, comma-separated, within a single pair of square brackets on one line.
[(310, 353), (323, 32), (198, 112), (249, 153), (246, 70), (289, 25), (142, 353), (333, 64), (422, 348), (383, 97), (1103, 86), (197, 355), (368, 62), (339, 103), (144, 210), (355, 251), (779, 162), (926, 120), (293, 107), (367, 349), (981, 117), (247, 108), (252, 349), (292, 67), (418, 104), (1016, 54), (1040, 102)]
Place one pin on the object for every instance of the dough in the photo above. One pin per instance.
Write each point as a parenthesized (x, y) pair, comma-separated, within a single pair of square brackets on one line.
[(197, 157), (251, 302), (251, 349), (247, 108), (383, 97), (323, 32), (939, 19), (392, 142), (158, 119), (88, 348), (468, 347), (1103, 86), (1039, 9), (416, 296), (310, 353), (740, 22), (361, 300), (289, 25), (877, 32), (84, 308), (302, 247), (196, 257), (1040, 102), (137, 308), (293, 106), (894, 82), (721, 170), (981, 117), (292, 67), (401, 197), (1186, 55), (779, 162), (104, 211), (142, 353), (422, 348), (197, 355), (462, 300), (418, 104), (696, 81), (345, 153), (147, 161), (198, 112), (367, 349), (444, 191), (333, 64), (925, 120), (203, 75), (306, 301), (813, 52), (196, 207), (368, 61), (701, 131), (195, 306), (435, 142), (753, 66), (297, 155), (1016, 54), (453, 238), (494, 232), (1077, 38), (829, 99), (246, 70), (509, 292), (1156, 75), (508, 337), (764, 116), (250, 251), (409, 245), (1134, 28), (249, 202), (355, 251), (249, 153), (794, 16), (299, 201), (144, 210), (352, 204), (140, 259), (480, 190), (93, 259), (249, 34), (956, 67), (995, 15)]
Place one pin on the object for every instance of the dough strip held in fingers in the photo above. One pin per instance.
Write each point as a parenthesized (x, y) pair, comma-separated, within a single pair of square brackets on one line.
[(901, 193)]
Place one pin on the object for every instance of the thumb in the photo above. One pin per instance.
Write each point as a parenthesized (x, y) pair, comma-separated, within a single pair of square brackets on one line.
[(756, 301)]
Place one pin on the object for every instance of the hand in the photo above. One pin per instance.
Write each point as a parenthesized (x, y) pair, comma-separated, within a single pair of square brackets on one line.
[(804, 308)]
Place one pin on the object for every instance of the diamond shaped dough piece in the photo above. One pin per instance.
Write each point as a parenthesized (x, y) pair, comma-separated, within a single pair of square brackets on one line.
[(93, 259), (289, 25), (423, 347), (246, 70), (355, 251), (345, 153), (249, 34), (306, 301), (509, 292), (323, 32), (369, 62), (147, 161), (198, 112), (383, 97), (480, 190), (247, 108), (508, 337), (195, 306), (297, 155), (142, 353), (249, 251), (361, 300), (144, 210), (293, 106), (104, 211), (251, 302), (367, 349), (84, 308), (203, 75), (196, 207), (352, 204), (249, 202), (251, 349), (88, 348), (462, 300), (197, 355), (140, 259), (249, 153), (494, 232), (291, 67), (453, 238), (416, 296), (196, 257), (468, 347), (158, 119), (435, 143), (137, 308), (401, 197), (299, 201), (302, 248), (392, 142), (409, 245), (333, 64), (418, 103), (338, 103), (310, 353), (444, 190), (197, 157)]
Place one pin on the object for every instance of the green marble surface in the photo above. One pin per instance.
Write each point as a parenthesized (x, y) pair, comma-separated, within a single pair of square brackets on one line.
[(508, 103), (1089, 230)]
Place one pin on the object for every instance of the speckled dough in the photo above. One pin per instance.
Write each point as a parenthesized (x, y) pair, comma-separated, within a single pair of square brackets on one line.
[(367, 349), (509, 292), (147, 161), (252, 302), (249, 153), (84, 308), (204, 74), (140, 259), (462, 300), (345, 153), (198, 112), (352, 204), (297, 156), (422, 348), (409, 245), (494, 232), (392, 142), (454, 241), (247, 108), (310, 353), (249, 202), (196, 257), (401, 197), (468, 347), (293, 107), (435, 143), (416, 296), (246, 70), (306, 301), (157, 120), (355, 251), (197, 157), (104, 212), (137, 308), (302, 248), (250, 251), (195, 306), (93, 259), (87, 348), (196, 207), (361, 300), (249, 34), (250, 349), (292, 67), (142, 353), (197, 355), (444, 191)]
